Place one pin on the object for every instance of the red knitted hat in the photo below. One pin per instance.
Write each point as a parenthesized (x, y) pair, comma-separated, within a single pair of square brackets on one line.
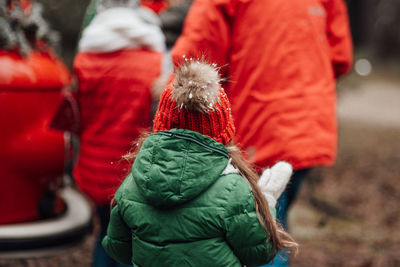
[(195, 101)]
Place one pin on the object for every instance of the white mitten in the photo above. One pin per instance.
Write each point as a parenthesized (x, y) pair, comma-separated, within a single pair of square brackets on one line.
[(274, 180)]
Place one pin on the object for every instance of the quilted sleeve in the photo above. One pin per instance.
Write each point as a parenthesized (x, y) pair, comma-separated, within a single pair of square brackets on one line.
[(244, 232), (338, 32), (117, 243)]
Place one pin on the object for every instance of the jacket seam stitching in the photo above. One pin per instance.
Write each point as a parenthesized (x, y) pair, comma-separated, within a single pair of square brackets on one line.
[(151, 163), (226, 215), (184, 167)]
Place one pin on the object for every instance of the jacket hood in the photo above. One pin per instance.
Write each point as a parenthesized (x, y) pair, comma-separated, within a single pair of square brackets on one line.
[(176, 166), (123, 28)]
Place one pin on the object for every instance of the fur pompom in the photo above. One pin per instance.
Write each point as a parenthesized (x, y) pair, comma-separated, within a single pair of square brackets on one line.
[(196, 86)]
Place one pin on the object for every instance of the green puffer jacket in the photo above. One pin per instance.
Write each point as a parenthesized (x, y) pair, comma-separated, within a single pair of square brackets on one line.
[(178, 208)]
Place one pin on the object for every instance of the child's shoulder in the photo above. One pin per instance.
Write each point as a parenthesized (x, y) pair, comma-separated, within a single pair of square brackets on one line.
[(235, 181), (236, 189), (232, 177)]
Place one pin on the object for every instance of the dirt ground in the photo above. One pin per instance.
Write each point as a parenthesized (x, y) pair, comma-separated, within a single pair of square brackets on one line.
[(348, 214)]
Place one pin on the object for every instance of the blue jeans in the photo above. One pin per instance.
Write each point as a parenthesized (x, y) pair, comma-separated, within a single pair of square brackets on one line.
[(100, 257), (284, 202)]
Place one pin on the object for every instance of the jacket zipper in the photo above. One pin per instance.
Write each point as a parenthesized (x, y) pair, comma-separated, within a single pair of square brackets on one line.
[(186, 137)]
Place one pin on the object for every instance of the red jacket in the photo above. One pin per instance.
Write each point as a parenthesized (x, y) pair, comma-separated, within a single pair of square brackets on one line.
[(115, 106), (281, 58)]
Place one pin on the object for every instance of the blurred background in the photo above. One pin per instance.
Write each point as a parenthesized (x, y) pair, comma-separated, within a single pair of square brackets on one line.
[(347, 215), (374, 26)]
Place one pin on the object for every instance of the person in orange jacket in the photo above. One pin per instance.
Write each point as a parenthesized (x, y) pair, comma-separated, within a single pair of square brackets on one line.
[(281, 59), (119, 58)]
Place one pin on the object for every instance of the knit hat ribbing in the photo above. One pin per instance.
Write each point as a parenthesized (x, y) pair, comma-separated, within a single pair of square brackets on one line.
[(196, 101)]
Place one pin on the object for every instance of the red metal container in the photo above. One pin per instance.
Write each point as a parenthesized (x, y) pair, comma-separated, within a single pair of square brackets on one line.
[(31, 154)]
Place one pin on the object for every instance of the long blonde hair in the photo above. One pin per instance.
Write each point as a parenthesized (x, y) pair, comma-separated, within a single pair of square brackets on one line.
[(281, 240)]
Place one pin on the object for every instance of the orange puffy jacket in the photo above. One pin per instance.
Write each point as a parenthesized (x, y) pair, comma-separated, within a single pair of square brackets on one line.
[(281, 59)]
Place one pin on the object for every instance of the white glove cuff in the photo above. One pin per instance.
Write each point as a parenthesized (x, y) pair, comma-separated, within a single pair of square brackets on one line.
[(270, 199)]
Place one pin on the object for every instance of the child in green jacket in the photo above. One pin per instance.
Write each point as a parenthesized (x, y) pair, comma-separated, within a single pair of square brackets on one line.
[(191, 199)]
